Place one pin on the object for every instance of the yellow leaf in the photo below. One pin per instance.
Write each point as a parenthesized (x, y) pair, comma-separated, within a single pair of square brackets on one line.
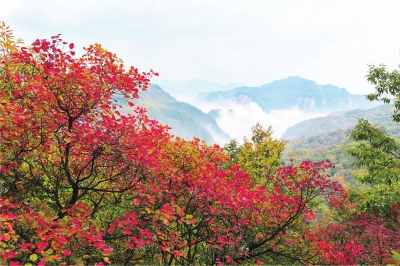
[(33, 257), (165, 221)]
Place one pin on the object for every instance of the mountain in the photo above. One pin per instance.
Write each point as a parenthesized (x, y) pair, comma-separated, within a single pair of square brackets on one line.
[(292, 92), (327, 138), (344, 120), (184, 119), (325, 145)]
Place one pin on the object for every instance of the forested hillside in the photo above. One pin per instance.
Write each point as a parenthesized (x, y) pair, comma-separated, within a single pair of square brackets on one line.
[(184, 119), (328, 137), (344, 120)]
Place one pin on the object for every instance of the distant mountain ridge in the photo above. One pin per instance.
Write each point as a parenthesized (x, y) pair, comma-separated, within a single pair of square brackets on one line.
[(291, 92), (294, 94)]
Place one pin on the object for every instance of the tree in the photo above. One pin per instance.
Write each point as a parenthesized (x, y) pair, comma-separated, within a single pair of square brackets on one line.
[(280, 232), (63, 142), (280, 229), (359, 239), (368, 230), (260, 156), (387, 87), (83, 184), (376, 151)]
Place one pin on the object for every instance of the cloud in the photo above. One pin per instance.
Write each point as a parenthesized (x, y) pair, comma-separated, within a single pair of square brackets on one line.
[(237, 119), (7, 7), (225, 41)]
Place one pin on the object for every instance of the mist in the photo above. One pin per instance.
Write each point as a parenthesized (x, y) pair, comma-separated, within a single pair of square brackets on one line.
[(234, 118), (237, 119)]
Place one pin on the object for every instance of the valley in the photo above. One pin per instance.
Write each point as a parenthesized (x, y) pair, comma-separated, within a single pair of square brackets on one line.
[(312, 131)]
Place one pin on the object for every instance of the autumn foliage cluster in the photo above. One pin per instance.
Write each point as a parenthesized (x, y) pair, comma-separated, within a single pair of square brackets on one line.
[(81, 183)]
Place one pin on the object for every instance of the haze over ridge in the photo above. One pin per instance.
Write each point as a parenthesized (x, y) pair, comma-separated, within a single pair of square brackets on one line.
[(280, 104)]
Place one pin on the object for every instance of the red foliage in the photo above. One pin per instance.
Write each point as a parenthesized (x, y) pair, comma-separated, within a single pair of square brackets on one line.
[(78, 176), (363, 238)]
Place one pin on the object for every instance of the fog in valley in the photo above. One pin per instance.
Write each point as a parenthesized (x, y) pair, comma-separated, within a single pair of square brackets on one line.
[(237, 119)]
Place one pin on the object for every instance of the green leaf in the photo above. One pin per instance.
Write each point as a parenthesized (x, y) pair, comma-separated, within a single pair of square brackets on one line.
[(396, 255), (106, 148)]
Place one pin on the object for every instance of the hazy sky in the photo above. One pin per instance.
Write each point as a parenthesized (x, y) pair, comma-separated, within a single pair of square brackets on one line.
[(249, 42)]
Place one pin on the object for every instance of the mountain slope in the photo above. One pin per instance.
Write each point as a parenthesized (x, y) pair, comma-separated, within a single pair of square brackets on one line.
[(184, 119), (340, 121), (317, 145), (324, 145), (293, 91)]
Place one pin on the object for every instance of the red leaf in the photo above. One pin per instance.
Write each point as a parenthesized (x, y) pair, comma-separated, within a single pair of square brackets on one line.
[(41, 245), (177, 253), (62, 240), (5, 170), (37, 42), (71, 46), (16, 93), (107, 249), (67, 252), (11, 216), (26, 245), (136, 201), (164, 247)]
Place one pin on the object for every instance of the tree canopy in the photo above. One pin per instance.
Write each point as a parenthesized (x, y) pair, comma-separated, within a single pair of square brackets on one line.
[(81, 183)]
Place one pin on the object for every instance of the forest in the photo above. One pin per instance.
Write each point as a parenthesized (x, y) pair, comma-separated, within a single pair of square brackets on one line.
[(83, 183)]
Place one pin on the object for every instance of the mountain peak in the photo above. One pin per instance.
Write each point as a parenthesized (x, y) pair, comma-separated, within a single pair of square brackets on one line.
[(295, 91)]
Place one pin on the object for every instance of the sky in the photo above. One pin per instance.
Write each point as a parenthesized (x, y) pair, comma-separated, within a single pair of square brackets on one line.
[(250, 42)]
